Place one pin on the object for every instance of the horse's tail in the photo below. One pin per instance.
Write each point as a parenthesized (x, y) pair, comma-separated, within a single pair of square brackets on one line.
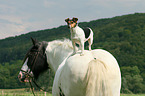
[(96, 79)]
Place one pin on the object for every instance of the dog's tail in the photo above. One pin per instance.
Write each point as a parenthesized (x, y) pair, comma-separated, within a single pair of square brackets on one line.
[(91, 35)]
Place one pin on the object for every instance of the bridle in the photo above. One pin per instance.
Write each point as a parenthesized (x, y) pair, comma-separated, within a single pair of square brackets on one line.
[(33, 62), (38, 52)]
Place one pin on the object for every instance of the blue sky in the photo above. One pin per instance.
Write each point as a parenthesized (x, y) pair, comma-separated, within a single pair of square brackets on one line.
[(22, 16)]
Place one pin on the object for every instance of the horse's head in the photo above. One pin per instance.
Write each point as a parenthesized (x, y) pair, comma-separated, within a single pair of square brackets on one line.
[(35, 62)]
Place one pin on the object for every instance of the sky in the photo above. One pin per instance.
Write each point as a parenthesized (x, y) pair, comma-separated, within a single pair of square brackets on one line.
[(23, 16)]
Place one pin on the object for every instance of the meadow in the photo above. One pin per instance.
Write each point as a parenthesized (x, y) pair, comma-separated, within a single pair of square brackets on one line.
[(25, 92), (22, 92)]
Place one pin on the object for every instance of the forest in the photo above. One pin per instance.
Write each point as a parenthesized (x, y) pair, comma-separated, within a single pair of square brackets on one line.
[(123, 36)]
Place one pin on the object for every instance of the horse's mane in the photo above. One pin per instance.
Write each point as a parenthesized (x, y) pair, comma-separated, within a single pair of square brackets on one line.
[(64, 44)]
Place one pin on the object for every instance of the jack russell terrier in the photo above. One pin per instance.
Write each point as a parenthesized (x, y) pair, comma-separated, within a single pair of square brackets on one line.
[(79, 35)]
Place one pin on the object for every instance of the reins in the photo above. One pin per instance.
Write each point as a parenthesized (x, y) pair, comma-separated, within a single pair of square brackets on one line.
[(31, 87), (31, 77), (33, 80), (35, 85)]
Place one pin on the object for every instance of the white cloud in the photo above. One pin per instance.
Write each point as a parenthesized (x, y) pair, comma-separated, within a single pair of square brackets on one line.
[(48, 3), (7, 30), (115, 3), (11, 25), (5, 8), (11, 18)]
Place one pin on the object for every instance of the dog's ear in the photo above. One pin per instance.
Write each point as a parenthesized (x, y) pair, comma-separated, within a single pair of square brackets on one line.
[(66, 20), (75, 19)]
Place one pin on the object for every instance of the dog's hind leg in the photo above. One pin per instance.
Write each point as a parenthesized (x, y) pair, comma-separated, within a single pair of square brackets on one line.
[(90, 41), (82, 48)]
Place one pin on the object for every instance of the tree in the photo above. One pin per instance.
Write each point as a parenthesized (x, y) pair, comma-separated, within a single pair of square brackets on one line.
[(131, 80)]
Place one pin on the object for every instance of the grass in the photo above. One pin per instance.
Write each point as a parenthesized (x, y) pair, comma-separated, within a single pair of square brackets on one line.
[(132, 94), (21, 92), (24, 92)]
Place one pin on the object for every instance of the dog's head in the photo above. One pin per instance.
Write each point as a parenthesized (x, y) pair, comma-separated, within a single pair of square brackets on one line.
[(71, 22)]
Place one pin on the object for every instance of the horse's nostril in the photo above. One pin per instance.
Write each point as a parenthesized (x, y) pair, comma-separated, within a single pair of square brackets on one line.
[(19, 76)]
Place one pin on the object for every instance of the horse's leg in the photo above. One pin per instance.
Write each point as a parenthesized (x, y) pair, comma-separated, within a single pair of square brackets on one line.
[(55, 89), (56, 84), (90, 41)]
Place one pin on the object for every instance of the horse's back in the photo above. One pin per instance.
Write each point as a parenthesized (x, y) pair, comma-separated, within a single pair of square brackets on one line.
[(74, 72)]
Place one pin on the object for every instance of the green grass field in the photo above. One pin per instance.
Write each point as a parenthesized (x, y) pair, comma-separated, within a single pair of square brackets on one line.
[(24, 92), (21, 92), (132, 94)]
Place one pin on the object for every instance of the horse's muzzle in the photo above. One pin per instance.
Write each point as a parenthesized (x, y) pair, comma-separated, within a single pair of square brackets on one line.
[(23, 77)]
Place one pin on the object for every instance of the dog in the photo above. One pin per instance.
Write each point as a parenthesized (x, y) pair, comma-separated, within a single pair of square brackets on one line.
[(79, 35)]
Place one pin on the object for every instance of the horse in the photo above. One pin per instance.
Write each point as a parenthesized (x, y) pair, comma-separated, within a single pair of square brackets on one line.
[(97, 73)]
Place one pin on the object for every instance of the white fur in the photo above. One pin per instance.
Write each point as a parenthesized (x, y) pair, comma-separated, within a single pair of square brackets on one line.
[(95, 74), (78, 36), (25, 67)]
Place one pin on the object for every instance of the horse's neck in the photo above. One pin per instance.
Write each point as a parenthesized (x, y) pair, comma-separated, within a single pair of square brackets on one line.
[(56, 54)]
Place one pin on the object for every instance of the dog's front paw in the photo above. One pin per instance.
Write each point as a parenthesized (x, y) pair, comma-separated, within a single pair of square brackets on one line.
[(90, 49), (82, 54), (74, 53)]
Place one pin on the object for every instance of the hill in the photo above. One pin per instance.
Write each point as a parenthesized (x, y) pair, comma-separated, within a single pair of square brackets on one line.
[(123, 36)]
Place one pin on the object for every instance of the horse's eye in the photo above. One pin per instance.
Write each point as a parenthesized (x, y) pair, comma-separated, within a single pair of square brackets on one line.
[(35, 47)]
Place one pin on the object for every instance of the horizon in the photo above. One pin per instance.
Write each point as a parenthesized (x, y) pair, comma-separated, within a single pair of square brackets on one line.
[(65, 25)]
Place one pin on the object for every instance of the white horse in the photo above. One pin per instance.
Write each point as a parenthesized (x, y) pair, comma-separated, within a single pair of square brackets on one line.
[(95, 74)]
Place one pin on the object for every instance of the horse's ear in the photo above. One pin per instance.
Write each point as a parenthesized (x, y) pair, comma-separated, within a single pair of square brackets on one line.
[(34, 41)]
